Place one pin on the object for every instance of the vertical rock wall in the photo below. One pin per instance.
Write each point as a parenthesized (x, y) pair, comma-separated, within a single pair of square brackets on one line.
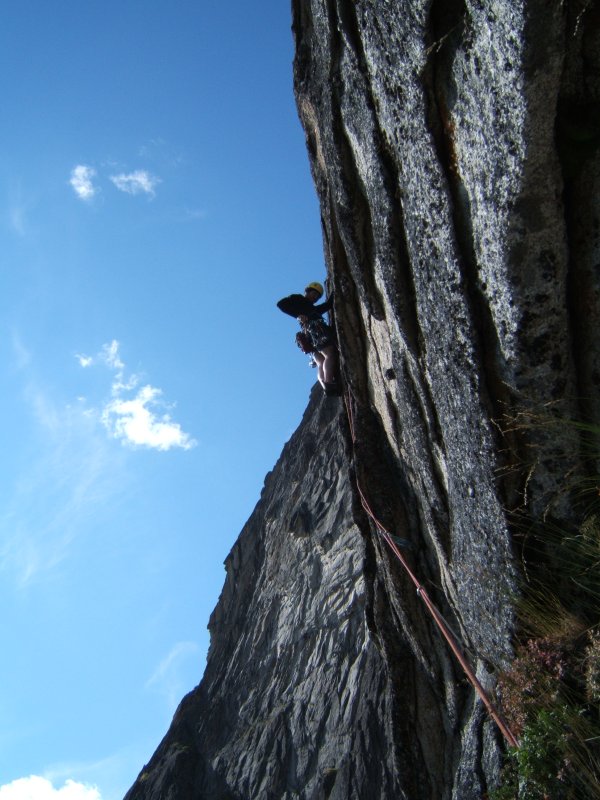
[(466, 284), (454, 146)]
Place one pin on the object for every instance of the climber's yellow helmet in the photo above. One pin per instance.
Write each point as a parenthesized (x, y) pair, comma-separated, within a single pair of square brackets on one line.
[(316, 287)]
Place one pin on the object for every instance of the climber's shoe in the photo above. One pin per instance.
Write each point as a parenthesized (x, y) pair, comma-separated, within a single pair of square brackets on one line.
[(333, 389)]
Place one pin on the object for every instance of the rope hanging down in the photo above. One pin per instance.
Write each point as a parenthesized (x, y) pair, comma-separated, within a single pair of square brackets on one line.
[(435, 614)]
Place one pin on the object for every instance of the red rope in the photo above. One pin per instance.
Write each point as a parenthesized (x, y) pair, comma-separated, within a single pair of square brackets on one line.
[(437, 617)]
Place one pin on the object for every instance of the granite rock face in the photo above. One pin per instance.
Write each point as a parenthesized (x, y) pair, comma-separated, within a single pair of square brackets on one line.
[(293, 648), (455, 149)]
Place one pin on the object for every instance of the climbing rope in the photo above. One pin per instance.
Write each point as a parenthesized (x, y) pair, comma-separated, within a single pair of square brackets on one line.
[(422, 593)]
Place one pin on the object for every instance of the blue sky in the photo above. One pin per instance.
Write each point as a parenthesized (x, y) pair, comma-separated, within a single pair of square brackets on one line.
[(156, 202)]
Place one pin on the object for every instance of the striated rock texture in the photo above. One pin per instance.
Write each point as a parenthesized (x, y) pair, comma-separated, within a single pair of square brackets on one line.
[(455, 148), (296, 700)]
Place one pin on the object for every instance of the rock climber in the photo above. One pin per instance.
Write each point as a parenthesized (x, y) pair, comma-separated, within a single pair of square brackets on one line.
[(320, 335)]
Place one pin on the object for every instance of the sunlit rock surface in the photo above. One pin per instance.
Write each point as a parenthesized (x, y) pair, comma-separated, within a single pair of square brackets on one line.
[(297, 699), (455, 152)]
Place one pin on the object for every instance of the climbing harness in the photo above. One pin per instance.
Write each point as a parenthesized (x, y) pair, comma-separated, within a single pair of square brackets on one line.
[(304, 342), (319, 333), (392, 542)]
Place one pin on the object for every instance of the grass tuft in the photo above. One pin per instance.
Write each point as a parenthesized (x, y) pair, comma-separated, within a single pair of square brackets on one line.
[(550, 695)]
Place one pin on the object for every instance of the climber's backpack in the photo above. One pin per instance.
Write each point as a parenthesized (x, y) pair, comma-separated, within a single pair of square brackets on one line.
[(295, 305)]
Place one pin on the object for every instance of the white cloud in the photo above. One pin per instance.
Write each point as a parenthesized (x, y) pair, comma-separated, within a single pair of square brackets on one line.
[(139, 419), (110, 355), (111, 775), (138, 182), (73, 472), (81, 181), (36, 788)]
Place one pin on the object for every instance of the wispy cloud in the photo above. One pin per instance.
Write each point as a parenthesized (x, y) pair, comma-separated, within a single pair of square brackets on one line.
[(158, 151), (110, 355), (18, 209), (20, 351), (73, 471), (138, 416), (82, 183), (65, 474), (71, 474), (37, 788), (167, 678), (152, 146), (138, 182), (170, 661), (17, 220), (194, 213)]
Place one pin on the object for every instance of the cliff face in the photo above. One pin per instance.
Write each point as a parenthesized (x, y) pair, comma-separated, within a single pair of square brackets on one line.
[(312, 688), (455, 151), (296, 700)]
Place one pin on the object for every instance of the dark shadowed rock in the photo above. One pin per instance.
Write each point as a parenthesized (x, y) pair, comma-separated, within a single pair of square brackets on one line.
[(455, 148)]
